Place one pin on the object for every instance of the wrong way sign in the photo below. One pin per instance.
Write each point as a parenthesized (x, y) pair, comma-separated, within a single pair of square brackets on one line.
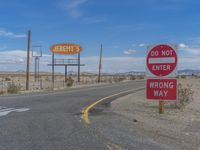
[(161, 61), (161, 89)]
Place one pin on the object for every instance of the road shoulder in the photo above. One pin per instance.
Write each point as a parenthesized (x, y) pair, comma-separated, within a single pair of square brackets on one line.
[(133, 117)]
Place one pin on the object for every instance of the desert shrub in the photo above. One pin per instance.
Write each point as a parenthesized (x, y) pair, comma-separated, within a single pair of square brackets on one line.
[(185, 95), (69, 82), (47, 78), (110, 80), (119, 79), (132, 77), (115, 79), (196, 76), (13, 88), (1, 92), (183, 76), (141, 77), (122, 79), (7, 79)]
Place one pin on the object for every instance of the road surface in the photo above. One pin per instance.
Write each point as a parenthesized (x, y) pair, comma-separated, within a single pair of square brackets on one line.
[(52, 121)]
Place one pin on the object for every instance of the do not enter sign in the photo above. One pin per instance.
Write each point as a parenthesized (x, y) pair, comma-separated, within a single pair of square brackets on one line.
[(161, 60)]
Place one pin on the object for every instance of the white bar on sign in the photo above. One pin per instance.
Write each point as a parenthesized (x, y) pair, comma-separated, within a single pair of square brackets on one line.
[(161, 60)]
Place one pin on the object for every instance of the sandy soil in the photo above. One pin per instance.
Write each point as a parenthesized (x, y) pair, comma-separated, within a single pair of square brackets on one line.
[(179, 128)]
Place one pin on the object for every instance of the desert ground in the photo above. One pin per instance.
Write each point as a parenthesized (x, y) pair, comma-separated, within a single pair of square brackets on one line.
[(44, 82), (178, 127)]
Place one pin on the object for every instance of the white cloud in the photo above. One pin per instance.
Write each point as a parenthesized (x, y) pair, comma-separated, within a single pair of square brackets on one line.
[(74, 8), (5, 33), (16, 60), (182, 45), (142, 45), (189, 50), (130, 51), (189, 63), (192, 51), (12, 57), (114, 64)]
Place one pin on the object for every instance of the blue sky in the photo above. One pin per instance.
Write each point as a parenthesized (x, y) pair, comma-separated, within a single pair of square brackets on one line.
[(125, 28)]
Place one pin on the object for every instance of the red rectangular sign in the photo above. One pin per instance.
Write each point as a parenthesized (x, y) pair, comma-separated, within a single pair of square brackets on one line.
[(161, 89)]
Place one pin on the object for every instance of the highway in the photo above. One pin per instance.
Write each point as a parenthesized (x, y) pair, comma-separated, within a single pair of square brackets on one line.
[(52, 121)]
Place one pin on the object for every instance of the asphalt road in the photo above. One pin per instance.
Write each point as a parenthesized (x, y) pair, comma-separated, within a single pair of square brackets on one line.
[(52, 121)]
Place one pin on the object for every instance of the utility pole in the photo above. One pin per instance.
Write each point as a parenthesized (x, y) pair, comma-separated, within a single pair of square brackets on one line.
[(79, 67), (100, 64), (28, 60), (53, 64)]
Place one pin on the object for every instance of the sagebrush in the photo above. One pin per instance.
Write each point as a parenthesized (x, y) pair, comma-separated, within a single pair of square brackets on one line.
[(185, 95), (13, 88)]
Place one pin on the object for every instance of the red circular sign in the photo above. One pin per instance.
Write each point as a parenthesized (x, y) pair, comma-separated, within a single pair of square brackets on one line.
[(161, 60)]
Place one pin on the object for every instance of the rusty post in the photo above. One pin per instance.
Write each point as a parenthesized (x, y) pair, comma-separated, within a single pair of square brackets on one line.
[(65, 73)]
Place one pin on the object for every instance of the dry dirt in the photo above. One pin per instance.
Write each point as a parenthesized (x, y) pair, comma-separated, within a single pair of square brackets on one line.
[(177, 128), (45, 81)]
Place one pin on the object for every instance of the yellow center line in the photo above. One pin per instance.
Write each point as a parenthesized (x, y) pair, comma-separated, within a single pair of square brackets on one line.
[(85, 112)]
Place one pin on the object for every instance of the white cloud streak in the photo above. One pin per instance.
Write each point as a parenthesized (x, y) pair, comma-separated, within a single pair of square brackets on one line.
[(4, 33), (16, 60), (129, 52), (74, 8), (192, 51), (182, 45), (142, 45)]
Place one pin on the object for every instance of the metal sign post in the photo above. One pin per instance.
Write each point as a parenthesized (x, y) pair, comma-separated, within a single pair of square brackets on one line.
[(37, 53), (66, 49), (65, 73)]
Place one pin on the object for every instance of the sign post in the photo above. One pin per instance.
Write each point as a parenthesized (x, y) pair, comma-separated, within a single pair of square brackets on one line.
[(161, 64)]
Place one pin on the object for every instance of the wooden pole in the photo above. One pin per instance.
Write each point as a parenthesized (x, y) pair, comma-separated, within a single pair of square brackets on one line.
[(100, 64), (53, 69), (38, 68), (28, 60), (35, 69), (161, 107), (79, 66)]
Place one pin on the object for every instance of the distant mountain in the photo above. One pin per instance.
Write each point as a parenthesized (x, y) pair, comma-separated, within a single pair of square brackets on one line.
[(72, 73), (20, 71), (132, 73), (88, 73), (189, 72), (126, 73)]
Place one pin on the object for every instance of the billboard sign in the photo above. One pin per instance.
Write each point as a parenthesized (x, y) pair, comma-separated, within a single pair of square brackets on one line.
[(66, 48)]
